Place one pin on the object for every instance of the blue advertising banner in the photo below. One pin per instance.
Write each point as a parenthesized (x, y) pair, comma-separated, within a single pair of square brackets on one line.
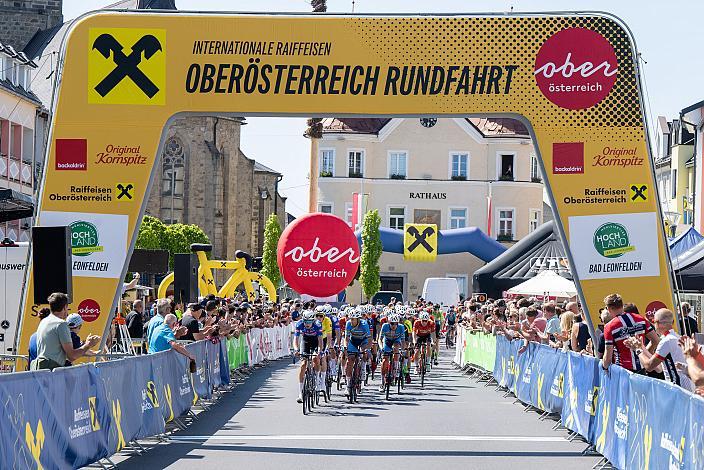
[(213, 357), (199, 380), (612, 424)]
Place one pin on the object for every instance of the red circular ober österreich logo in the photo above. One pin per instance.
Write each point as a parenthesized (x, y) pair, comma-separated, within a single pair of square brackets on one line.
[(576, 68), (318, 255), (89, 310), (654, 306)]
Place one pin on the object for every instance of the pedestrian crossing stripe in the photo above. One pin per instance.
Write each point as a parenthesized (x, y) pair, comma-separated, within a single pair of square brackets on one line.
[(420, 242)]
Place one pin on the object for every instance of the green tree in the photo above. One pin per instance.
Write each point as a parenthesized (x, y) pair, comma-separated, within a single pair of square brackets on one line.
[(371, 252), (270, 266), (177, 238)]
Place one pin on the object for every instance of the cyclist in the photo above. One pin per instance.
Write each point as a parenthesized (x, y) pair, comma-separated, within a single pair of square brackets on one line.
[(391, 337), (312, 334), (423, 333), (450, 321), (407, 316), (436, 312), (334, 319), (326, 326), (357, 337)]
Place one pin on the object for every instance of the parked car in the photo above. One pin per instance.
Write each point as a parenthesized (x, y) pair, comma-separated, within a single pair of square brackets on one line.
[(383, 297)]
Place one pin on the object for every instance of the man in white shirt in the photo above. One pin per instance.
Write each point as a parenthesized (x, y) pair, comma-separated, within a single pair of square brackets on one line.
[(668, 352)]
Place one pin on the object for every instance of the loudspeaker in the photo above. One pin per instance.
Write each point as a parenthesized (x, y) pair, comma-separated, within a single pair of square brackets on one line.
[(185, 278), (51, 262)]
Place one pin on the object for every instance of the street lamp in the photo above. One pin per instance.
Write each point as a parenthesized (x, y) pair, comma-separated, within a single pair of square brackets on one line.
[(673, 218), (263, 196)]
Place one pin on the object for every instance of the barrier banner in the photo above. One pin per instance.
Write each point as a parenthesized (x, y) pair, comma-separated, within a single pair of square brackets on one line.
[(125, 386), (53, 417), (612, 425), (460, 346), (694, 448), (479, 349), (547, 388), (524, 363), (224, 362), (177, 387), (254, 338), (237, 352), (583, 382), (267, 343), (213, 354), (199, 380)]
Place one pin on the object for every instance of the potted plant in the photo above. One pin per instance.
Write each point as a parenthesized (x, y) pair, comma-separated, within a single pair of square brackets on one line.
[(398, 177), (504, 237), (355, 175), (536, 179), (326, 174), (506, 178), (458, 178)]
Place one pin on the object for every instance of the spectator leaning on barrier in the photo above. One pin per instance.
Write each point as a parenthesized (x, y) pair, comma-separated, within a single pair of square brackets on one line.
[(135, 320), (623, 326), (163, 308), (531, 328), (190, 321), (605, 317), (552, 323), (75, 322), (668, 352), (43, 313), (54, 345), (163, 338), (580, 336)]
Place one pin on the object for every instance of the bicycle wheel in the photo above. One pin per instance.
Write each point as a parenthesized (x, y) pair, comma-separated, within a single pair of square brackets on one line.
[(389, 379), (339, 376), (448, 341)]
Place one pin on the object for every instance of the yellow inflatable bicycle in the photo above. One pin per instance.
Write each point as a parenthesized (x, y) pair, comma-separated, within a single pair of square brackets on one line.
[(241, 276)]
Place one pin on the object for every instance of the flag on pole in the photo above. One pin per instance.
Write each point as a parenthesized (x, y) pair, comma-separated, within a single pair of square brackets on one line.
[(359, 208), (488, 214)]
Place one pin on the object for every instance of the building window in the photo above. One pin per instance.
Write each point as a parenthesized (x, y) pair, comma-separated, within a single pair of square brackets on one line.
[(355, 164), (673, 184), (506, 170), (15, 73), (427, 216), (459, 166), (535, 219), (173, 175), (348, 213), (398, 162), (534, 169), (397, 217), (458, 217), (505, 224), (327, 162), (325, 208)]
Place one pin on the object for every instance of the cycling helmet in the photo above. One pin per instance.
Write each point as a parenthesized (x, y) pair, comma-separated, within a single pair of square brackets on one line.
[(394, 318), (335, 311), (309, 316), (370, 308), (355, 314), (327, 308), (319, 309), (425, 316)]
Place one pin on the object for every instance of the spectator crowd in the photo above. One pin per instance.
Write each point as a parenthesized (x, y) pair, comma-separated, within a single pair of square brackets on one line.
[(644, 344)]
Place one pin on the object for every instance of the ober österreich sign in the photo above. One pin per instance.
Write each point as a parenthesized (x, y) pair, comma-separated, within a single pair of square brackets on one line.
[(318, 255)]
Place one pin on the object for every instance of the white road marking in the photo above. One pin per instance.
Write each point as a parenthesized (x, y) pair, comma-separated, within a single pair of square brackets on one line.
[(345, 437)]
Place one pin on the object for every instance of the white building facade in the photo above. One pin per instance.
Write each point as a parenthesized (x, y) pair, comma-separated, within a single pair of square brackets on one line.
[(443, 171)]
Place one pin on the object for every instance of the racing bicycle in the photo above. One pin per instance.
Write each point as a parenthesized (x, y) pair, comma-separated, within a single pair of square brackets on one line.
[(310, 397)]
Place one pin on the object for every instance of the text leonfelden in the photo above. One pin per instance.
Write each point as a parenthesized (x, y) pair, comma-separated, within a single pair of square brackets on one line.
[(291, 79)]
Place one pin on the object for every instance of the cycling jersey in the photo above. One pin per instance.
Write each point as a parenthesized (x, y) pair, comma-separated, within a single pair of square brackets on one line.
[(618, 330), (326, 324), (335, 325), (394, 336), (408, 327), (451, 318), (341, 323), (423, 330), (670, 353), (314, 329), (356, 335)]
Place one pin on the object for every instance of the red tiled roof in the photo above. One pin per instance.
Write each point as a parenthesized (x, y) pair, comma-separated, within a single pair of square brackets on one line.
[(489, 127)]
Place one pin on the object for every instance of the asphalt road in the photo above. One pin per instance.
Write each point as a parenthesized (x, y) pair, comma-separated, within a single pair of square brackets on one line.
[(453, 423)]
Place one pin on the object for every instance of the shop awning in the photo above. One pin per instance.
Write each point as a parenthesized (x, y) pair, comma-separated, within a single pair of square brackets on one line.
[(15, 205)]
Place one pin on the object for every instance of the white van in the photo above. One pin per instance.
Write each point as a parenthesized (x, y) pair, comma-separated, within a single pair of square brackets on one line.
[(441, 290), (13, 266)]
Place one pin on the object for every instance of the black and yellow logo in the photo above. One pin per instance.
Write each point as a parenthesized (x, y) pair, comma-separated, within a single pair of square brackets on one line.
[(127, 66), (35, 441), (151, 393), (420, 242), (94, 422), (125, 192), (638, 192)]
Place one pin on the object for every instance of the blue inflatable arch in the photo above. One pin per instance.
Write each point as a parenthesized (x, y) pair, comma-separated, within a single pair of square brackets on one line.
[(460, 240)]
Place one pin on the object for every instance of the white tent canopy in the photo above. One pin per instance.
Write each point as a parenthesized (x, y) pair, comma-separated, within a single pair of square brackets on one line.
[(547, 283)]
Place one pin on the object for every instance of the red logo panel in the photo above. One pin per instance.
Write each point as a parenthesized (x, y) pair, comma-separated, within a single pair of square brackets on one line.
[(576, 68), (71, 154), (567, 158), (89, 310)]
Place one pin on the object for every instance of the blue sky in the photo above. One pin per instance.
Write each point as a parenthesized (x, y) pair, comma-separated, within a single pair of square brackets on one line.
[(668, 36)]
